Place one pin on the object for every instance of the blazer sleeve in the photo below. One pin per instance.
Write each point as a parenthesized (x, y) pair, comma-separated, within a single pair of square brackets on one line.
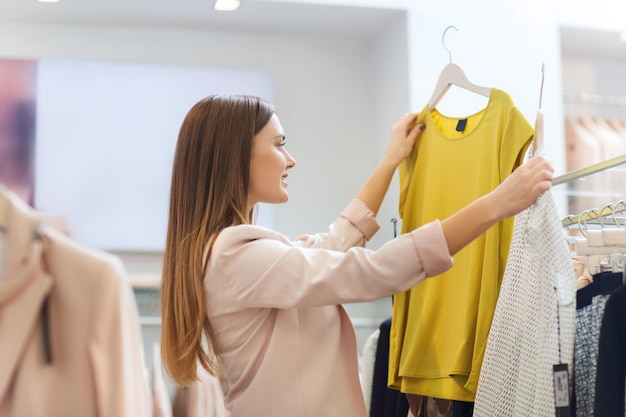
[(115, 349), (354, 227), (252, 267)]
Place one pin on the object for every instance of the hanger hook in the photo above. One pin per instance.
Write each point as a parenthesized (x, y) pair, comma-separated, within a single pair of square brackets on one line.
[(582, 223), (591, 214), (443, 41), (604, 212), (618, 208)]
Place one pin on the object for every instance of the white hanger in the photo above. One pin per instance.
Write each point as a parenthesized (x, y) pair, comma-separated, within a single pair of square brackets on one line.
[(453, 74), (605, 237), (606, 242), (538, 140), (583, 245), (614, 237)]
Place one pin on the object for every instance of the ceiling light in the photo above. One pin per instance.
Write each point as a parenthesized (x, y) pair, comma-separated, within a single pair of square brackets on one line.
[(226, 5), (622, 36), (48, 1)]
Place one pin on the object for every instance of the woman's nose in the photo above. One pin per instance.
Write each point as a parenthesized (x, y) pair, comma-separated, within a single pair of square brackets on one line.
[(290, 161)]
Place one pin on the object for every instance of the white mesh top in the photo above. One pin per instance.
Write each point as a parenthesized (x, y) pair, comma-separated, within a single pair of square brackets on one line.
[(534, 323)]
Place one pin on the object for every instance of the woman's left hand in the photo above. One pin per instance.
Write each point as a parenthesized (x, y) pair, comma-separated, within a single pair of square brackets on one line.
[(402, 138)]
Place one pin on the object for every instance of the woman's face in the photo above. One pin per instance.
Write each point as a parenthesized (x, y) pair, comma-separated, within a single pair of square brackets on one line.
[(269, 164)]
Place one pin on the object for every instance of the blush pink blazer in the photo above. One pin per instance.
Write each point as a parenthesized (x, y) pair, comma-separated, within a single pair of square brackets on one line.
[(287, 344), (96, 359)]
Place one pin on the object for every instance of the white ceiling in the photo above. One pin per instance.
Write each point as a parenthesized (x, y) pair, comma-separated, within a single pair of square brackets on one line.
[(261, 16), (277, 17)]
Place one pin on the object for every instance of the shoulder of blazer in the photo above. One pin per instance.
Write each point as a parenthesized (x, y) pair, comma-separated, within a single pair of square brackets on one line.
[(63, 256)]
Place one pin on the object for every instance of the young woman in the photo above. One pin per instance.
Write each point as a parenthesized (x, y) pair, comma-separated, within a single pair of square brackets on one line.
[(266, 312)]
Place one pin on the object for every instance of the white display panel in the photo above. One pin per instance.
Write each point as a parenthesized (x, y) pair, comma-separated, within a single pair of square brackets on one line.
[(106, 134)]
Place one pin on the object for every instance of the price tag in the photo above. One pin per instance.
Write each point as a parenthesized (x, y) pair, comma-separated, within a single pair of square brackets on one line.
[(561, 390)]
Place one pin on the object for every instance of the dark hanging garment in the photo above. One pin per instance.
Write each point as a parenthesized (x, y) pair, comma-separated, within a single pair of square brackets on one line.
[(386, 402), (611, 369), (590, 304)]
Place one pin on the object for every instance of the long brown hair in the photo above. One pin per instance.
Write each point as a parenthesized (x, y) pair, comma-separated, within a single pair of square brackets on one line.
[(209, 192)]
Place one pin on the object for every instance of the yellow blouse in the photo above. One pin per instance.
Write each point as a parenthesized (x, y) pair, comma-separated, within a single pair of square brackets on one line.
[(440, 327)]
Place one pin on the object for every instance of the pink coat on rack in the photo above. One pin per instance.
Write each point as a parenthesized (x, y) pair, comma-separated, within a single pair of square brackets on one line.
[(90, 363)]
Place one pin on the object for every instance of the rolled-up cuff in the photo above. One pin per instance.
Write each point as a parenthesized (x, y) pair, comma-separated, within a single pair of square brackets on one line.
[(432, 248), (361, 217)]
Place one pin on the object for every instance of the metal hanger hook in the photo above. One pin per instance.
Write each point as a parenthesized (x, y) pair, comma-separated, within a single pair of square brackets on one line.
[(604, 212), (618, 208), (582, 222), (443, 41)]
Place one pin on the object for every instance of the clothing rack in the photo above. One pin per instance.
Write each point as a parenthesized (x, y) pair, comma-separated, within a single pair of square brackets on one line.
[(589, 170), (595, 216)]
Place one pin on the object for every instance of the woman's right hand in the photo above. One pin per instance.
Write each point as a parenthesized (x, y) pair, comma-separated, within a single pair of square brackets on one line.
[(523, 187), (516, 193)]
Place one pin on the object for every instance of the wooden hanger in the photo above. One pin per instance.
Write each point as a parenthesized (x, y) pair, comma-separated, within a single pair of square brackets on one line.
[(614, 236), (538, 139), (453, 74)]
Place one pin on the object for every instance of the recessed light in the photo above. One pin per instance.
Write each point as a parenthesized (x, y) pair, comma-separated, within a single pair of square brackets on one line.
[(622, 36), (48, 1), (226, 5)]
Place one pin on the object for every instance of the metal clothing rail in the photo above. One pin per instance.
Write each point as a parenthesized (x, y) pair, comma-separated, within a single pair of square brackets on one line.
[(592, 216), (589, 170)]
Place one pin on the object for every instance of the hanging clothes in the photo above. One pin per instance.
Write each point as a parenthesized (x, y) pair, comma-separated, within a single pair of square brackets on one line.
[(386, 402), (161, 404), (440, 327), (367, 365), (70, 340), (590, 304), (611, 369), (534, 323)]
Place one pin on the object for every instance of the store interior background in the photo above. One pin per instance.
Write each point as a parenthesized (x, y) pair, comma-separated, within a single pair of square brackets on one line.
[(343, 72)]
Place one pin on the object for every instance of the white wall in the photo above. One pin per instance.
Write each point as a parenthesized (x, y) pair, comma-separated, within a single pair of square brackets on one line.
[(498, 44), (324, 93), (390, 83), (598, 15)]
